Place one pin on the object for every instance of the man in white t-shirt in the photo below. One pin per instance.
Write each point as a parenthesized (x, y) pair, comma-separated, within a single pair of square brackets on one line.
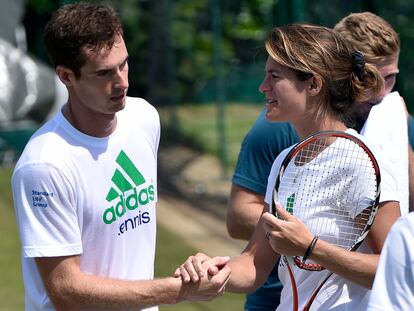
[(85, 187)]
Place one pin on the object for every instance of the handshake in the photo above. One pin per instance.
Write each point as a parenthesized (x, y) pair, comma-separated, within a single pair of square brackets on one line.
[(203, 278)]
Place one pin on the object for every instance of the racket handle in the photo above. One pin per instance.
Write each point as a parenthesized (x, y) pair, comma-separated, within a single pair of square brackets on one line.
[(272, 207)]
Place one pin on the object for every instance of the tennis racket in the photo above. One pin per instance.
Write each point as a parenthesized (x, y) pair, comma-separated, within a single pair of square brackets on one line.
[(331, 182)]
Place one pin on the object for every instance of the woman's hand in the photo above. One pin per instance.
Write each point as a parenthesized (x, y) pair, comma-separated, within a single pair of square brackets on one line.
[(200, 265), (287, 236)]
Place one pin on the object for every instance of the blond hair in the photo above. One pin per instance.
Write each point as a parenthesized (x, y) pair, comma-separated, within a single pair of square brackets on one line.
[(312, 50), (372, 35)]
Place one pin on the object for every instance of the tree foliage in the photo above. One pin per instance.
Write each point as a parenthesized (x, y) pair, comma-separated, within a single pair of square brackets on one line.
[(173, 44)]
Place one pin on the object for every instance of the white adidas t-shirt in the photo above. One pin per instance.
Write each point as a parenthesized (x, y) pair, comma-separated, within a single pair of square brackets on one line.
[(77, 194), (337, 294)]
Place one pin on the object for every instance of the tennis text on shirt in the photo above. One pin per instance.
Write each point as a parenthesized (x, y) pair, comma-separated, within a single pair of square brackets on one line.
[(130, 190)]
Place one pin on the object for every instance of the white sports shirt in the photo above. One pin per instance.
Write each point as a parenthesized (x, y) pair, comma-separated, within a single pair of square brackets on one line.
[(77, 194), (393, 287), (337, 294)]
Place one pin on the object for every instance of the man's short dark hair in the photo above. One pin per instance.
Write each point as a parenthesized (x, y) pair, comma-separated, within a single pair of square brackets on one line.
[(77, 26)]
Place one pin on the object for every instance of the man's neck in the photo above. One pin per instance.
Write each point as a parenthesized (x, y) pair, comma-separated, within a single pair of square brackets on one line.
[(89, 124)]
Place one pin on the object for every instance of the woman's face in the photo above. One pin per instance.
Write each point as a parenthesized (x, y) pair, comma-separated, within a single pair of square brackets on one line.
[(286, 96)]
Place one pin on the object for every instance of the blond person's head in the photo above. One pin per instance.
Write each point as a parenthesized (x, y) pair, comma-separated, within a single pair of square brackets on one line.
[(370, 34), (378, 41)]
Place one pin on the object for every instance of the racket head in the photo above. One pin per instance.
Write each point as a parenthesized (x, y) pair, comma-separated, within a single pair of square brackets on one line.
[(331, 182)]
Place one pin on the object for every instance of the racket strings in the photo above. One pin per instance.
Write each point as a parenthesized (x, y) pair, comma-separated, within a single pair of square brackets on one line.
[(331, 186)]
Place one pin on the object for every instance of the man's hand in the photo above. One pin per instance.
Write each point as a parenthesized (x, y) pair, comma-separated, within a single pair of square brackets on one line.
[(200, 265), (204, 278)]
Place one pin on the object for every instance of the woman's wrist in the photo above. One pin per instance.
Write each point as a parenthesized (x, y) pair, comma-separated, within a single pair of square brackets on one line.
[(310, 248)]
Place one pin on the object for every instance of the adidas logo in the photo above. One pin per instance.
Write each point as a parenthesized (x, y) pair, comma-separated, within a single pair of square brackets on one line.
[(129, 190)]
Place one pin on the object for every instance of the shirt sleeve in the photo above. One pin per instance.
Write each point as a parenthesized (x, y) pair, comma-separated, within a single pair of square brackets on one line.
[(260, 147), (393, 287), (389, 184), (411, 130), (271, 182), (46, 212)]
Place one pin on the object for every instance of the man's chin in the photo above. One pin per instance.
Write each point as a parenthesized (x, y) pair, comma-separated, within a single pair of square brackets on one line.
[(373, 102), (365, 107)]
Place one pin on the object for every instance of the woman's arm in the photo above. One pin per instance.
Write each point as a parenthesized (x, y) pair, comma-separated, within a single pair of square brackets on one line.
[(248, 271), (292, 238)]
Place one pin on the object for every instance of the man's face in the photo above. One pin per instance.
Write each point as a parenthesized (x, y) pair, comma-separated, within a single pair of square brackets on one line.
[(389, 72), (103, 82)]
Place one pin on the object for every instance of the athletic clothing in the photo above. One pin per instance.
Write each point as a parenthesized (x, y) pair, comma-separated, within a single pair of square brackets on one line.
[(337, 293), (393, 287), (76, 194), (260, 147), (392, 139), (411, 130)]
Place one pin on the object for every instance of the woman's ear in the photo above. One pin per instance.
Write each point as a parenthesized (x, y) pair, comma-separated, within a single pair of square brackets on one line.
[(65, 75), (315, 85)]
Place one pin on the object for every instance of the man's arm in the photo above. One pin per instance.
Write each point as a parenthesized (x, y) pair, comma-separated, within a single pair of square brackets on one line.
[(71, 289), (260, 147), (243, 213), (249, 270)]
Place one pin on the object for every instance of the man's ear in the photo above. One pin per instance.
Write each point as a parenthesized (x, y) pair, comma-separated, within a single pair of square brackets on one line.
[(65, 75), (315, 85)]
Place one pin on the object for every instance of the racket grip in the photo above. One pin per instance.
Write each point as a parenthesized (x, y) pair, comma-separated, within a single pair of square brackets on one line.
[(272, 209)]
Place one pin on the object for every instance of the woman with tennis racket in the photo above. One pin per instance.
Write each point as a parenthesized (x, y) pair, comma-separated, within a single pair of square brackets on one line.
[(323, 192)]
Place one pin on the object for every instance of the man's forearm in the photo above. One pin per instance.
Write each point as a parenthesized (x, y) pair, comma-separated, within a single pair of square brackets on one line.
[(104, 293), (243, 214), (69, 288), (241, 225)]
